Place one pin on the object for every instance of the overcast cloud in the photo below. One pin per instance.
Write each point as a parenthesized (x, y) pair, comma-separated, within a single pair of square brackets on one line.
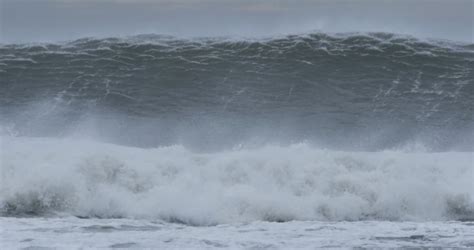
[(52, 20)]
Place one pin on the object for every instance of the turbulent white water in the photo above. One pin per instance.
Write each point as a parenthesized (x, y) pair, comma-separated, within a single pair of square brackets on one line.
[(43, 176)]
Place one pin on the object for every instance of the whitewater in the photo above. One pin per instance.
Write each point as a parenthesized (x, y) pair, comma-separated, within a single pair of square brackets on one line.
[(298, 141), (63, 193)]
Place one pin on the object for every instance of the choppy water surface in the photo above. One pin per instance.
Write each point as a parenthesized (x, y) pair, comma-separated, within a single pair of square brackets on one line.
[(124, 233)]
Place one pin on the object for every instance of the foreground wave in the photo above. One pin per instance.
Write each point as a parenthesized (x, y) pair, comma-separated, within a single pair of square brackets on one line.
[(272, 183)]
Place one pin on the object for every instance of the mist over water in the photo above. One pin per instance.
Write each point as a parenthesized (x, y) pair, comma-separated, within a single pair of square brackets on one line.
[(61, 20)]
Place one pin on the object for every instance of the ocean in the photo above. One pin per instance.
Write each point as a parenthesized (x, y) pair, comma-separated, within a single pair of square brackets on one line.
[(291, 141)]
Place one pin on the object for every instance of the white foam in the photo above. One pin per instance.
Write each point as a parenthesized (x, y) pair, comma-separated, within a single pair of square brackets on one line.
[(70, 232), (274, 183)]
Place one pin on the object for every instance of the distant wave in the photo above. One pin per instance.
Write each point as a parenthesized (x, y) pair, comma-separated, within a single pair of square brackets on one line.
[(375, 90), (272, 183)]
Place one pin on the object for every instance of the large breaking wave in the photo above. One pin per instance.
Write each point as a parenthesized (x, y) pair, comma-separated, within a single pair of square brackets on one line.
[(365, 91), (214, 130)]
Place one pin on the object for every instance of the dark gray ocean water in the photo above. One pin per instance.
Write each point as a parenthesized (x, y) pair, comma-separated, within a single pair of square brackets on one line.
[(314, 140), (356, 91)]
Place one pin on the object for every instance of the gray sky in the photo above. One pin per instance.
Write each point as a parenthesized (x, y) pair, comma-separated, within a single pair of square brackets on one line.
[(53, 20)]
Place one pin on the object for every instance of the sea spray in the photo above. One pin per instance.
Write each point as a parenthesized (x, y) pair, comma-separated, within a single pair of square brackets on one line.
[(272, 183)]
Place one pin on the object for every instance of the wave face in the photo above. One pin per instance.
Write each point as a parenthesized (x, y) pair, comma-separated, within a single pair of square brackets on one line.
[(273, 183), (365, 91)]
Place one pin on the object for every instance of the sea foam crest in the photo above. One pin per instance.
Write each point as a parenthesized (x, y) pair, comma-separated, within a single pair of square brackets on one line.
[(272, 183)]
